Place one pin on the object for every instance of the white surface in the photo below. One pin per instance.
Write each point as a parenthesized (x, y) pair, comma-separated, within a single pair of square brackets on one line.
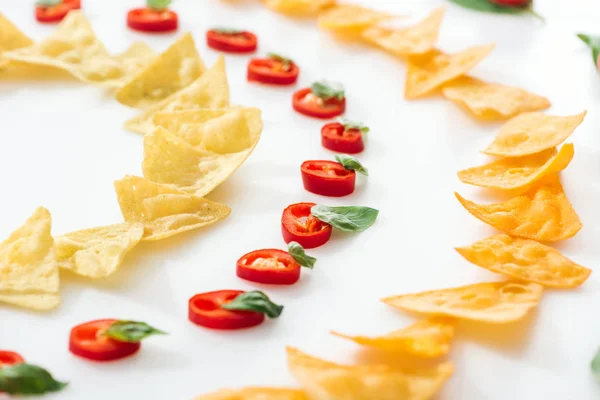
[(63, 146)]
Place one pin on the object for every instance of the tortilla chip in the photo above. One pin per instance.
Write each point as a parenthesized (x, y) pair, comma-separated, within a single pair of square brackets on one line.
[(530, 133), (518, 173), (426, 338), (323, 380), (526, 260), (11, 38), (349, 19), (256, 393), (430, 71), (165, 211), (174, 121), (417, 39), (492, 101), (302, 8), (211, 90), (136, 57), (492, 302), (98, 252), (543, 213), (176, 68), (32, 301)]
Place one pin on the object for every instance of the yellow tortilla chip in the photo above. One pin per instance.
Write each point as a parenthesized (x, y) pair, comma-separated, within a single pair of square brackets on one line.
[(492, 302), (31, 301), (165, 211), (518, 172), (136, 57), (417, 39), (492, 101), (430, 71), (526, 260), (174, 121), (176, 68), (349, 19), (302, 8), (11, 38), (543, 213), (426, 338), (256, 393), (323, 380), (211, 90), (530, 133), (97, 252)]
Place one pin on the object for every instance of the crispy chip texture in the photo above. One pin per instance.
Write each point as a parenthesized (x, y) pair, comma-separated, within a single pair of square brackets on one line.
[(165, 211), (136, 57), (176, 68), (493, 302), (323, 380), (98, 252), (417, 39), (426, 338), (302, 8), (351, 19), (211, 90), (492, 101), (174, 121), (542, 213), (11, 38), (530, 133), (256, 393), (518, 172), (430, 71), (526, 260), (31, 301)]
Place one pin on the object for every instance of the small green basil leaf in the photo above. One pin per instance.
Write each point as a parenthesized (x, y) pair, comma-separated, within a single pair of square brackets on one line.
[(227, 31), (328, 90), (595, 365), (286, 62), (254, 301), (351, 164), (47, 3), (346, 218), (131, 331), (354, 125), (158, 4), (28, 379), (593, 42), (297, 252)]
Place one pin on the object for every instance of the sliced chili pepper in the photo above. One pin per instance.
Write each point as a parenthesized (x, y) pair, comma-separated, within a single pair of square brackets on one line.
[(88, 341), (231, 41), (150, 20), (299, 225), (57, 12), (270, 266), (336, 137), (205, 310), (306, 102), (327, 178), (271, 71), (8, 358)]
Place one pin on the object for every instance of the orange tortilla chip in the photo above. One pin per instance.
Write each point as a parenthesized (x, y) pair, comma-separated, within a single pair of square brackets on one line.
[(526, 260), (301, 8), (350, 19), (256, 393)]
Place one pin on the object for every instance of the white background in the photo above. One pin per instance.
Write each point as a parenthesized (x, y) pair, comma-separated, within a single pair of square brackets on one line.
[(62, 146)]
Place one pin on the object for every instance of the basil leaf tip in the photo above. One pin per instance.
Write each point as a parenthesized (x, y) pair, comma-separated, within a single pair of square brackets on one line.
[(255, 301), (595, 365), (297, 252), (593, 42), (346, 218), (158, 4), (28, 379), (227, 31), (354, 125), (328, 90), (47, 3), (131, 331), (352, 164)]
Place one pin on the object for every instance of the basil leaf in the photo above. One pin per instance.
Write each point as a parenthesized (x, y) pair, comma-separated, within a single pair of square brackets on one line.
[(354, 125), (351, 164), (227, 31), (346, 218), (297, 252), (595, 365), (254, 301), (328, 90), (47, 3), (593, 42), (131, 331), (286, 62), (158, 4), (28, 379), (488, 6)]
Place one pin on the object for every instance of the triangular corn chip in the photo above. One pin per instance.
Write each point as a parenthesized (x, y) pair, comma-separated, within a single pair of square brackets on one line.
[(98, 252), (350, 19), (425, 338), (518, 172), (136, 57), (173, 121), (530, 133), (417, 39), (323, 380), (302, 8), (492, 302), (542, 213), (526, 260), (211, 90), (165, 211), (31, 301), (256, 393), (492, 101), (430, 71), (176, 68), (11, 38)]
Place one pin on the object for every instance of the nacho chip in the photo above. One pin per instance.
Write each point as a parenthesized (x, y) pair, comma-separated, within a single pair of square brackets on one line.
[(98, 252), (430, 71), (530, 133), (165, 211), (136, 57), (417, 39), (349, 19), (302, 8), (32, 301), (256, 393), (211, 90), (11, 38), (323, 380), (543, 213), (176, 68), (519, 172), (493, 302), (492, 101), (526, 260), (425, 338), (174, 121)]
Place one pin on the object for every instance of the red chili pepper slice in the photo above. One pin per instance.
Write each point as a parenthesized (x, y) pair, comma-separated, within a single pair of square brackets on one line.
[(337, 138), (270, 266), (87, 341), (327, 178), (275, 72), (307, 103), (56, 13), (238, 42), (299, 225), (8, 358), (205, 310), (150, 20)]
